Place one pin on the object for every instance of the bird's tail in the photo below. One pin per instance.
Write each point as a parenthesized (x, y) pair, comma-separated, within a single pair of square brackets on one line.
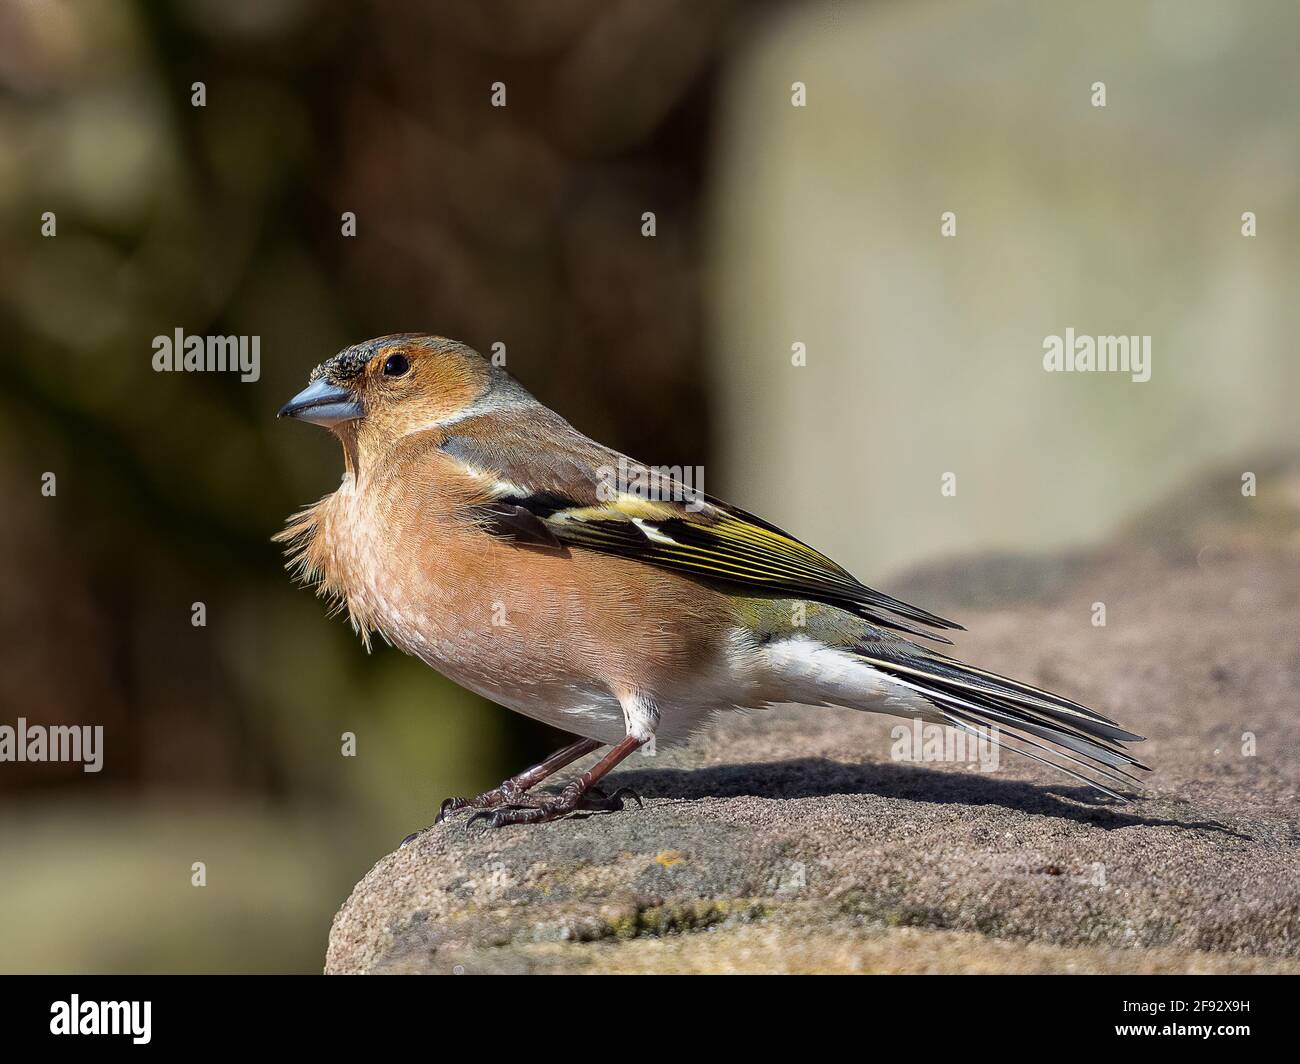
[(1019, 715)]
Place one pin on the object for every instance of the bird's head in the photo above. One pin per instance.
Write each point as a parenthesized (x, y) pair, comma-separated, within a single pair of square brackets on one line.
[(374, 393)]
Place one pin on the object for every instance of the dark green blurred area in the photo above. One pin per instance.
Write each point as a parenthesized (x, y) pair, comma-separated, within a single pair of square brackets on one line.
[(519, 225)]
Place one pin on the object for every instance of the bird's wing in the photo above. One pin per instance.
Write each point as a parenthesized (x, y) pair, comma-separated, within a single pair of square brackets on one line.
[(569, 491)]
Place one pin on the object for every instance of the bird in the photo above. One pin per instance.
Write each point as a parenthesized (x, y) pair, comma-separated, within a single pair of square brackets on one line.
[(477, 530)]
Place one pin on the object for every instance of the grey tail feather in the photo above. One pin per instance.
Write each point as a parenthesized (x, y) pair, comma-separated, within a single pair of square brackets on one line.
[(971, 699)]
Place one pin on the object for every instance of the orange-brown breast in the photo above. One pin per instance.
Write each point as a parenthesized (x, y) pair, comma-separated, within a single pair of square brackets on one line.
[(507, 619)]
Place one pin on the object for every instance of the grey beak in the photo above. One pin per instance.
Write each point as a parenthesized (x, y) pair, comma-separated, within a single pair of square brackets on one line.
[(323, 403)]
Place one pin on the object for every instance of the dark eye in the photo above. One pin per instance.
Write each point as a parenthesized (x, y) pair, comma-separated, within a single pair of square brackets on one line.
[(396, 366)]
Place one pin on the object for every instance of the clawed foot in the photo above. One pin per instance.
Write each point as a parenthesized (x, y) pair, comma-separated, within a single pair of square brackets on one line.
[(452, 806), (507, 794), (509, 803), (570, 800)]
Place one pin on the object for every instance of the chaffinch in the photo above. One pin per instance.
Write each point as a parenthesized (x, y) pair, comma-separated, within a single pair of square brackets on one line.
[(478, 530)]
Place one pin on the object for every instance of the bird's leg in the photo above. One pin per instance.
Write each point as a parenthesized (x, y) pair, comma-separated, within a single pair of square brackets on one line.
[(512, 790), (577, 796)]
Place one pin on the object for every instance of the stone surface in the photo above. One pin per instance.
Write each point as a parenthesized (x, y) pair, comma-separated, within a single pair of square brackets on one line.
[(790, 841)]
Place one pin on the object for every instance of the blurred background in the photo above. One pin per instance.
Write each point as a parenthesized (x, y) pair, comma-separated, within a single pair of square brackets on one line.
[(523, 225)]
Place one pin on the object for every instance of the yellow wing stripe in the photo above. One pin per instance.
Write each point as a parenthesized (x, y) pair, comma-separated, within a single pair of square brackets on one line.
[(738, 560)]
